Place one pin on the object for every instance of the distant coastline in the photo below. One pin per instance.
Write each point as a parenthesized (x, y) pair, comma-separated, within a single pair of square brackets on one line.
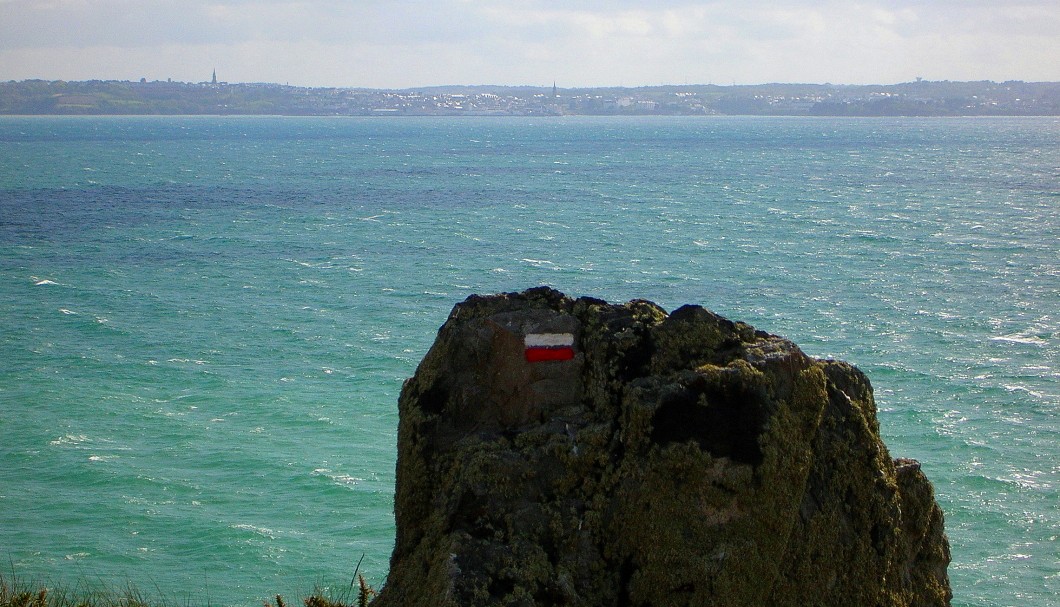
[(919, 98)]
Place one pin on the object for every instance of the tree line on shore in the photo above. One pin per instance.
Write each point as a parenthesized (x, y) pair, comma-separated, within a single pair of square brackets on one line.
[(920, 98)]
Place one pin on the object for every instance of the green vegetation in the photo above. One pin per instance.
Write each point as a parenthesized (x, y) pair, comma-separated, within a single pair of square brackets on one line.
[(15, 592), (920, 98)]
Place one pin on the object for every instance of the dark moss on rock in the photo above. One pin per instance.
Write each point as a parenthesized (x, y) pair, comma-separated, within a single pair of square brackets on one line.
[(679, 459)]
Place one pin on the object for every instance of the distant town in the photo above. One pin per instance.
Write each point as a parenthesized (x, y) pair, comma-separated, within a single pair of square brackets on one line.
[(918, 98)]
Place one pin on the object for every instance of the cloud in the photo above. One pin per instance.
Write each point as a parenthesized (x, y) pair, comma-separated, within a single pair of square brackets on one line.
[(133, 23), (579, 42)]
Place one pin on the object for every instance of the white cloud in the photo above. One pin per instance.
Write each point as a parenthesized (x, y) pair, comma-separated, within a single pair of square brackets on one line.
[(578, 42)]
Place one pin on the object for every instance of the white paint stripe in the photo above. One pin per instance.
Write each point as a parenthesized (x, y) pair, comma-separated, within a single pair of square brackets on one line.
[(549, 340)]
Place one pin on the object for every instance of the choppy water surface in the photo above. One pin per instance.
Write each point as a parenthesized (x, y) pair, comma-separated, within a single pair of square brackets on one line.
[(206, 321)]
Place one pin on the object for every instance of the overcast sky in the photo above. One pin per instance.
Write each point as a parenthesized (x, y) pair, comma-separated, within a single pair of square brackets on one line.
[(397, 43)]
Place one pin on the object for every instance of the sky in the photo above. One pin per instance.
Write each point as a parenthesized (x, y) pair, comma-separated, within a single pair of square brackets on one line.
[(402, 44)]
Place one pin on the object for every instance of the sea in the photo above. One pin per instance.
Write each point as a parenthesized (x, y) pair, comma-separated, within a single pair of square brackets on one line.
[(205, 322)]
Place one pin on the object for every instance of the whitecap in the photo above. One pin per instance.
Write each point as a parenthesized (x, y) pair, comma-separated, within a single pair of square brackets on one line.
[(342, 480), (44, 282), (262, 531), (186, 360), (1024, 389), (70, 439), (1016, 338), (540, 263), (346, 479)]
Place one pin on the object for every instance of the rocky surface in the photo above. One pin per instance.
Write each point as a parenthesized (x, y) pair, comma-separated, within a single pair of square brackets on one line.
[(665, 459)]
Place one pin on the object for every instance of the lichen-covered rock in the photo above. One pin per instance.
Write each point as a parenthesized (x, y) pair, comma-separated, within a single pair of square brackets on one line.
[(656, 459)]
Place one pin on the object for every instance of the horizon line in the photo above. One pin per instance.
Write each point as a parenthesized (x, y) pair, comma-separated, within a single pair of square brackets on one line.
[(213, 82)]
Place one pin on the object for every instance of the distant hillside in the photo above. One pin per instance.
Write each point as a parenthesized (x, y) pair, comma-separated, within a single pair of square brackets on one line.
[(920, 98)]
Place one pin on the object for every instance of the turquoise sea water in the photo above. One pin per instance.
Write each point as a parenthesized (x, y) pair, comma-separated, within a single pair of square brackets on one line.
[(206, 321)]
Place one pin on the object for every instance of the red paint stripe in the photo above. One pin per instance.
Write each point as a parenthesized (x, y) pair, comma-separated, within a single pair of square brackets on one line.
[(536, 355)]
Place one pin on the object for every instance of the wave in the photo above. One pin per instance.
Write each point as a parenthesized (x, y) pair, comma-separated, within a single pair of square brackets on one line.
[(1016, 338)]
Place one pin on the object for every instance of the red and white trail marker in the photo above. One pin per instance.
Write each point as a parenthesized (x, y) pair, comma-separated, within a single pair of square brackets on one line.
[(541, 347)]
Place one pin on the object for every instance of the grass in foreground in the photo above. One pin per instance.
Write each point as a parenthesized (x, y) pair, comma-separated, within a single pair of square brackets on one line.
[(16, 593)]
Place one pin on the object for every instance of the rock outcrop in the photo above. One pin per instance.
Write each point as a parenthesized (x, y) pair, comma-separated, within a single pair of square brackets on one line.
[(558, 451)]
